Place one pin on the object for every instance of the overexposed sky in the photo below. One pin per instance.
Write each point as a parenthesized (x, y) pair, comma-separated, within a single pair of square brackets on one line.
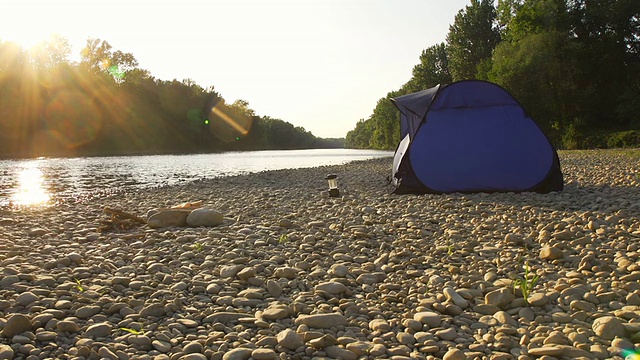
[(319, 64)]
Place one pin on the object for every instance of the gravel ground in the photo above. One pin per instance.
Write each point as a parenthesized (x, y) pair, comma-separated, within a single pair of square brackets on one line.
[(293, 274)]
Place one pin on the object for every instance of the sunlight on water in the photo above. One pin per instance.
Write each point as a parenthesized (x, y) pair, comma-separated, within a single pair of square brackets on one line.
[(49, 181), (31, 189)]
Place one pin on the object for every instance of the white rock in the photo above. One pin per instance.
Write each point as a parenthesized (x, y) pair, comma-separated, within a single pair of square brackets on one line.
[(205, 217)]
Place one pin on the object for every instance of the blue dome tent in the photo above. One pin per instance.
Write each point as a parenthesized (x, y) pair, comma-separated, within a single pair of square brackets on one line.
[(471, 136)]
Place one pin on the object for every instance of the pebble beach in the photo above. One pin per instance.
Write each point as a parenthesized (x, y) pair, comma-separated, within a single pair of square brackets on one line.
[(292, 273)]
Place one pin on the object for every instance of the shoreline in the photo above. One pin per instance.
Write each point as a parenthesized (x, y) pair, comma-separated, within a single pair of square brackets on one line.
[(94, 177), (294, 274)]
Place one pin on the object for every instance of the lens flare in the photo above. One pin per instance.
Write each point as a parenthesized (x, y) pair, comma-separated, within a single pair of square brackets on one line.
[(230, 121), (115, 71), (73, 118), (31, 189), (630, 354), (228, 125)]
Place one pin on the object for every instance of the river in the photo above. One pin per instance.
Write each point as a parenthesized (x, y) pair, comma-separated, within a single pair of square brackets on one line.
[(45, 181)]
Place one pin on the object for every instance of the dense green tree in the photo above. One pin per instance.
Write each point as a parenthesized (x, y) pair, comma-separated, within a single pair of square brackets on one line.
[(386, 124), (360, 136), (573, 64), (432, 70), (106, 105), (520, 18), (609, 34), (538, 73), (471, 40)]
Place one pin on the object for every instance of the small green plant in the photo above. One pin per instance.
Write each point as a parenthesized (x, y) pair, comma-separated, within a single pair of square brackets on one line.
[(283, 239), (450, 250), (78, 285), (526, 283), (198, 247), (132, 331)]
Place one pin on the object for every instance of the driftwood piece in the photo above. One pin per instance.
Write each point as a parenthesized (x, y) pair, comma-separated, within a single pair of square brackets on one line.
[(188, 205), (125, 215)]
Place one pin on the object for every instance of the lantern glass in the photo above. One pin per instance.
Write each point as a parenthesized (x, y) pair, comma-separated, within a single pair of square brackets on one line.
[(332, 179), (333, 183)]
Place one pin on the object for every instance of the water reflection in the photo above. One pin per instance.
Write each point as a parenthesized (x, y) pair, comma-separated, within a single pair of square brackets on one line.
[(31, 190), (44, 182)]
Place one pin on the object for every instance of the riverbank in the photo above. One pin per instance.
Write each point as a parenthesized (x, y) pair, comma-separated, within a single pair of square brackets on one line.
[(294, 274)]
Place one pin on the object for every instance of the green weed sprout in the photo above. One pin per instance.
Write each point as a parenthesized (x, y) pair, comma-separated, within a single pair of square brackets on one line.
[(283, 239), (78, 285), (132, 331), (198, 247), (526, 283)]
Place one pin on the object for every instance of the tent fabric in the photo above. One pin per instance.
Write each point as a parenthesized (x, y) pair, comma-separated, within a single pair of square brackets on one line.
[(413, 107), (471, 136)]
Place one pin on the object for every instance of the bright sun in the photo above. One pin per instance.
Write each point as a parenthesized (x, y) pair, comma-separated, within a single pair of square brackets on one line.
[(27, 40), (29, 23)]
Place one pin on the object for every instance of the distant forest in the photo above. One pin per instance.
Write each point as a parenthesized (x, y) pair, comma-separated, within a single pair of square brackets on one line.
[(573, 64), (106, 105)]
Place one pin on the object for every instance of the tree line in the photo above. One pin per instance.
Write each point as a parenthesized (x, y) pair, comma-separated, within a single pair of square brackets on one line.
[(104, 104), (574, 65)]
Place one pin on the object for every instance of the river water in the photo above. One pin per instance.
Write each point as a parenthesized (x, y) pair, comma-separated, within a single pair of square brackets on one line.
[(45, 181)]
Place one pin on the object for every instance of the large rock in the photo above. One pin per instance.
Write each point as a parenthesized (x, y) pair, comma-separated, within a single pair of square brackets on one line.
[(155, 310), (6, 352), (321, 321), (277, 311), (168, 218), (223, 317), (26, 298), (454, 297), (428, 318), (340, 353), (454, 354), (289, 339), (236, 354), (551, 253), (608, 327), (263, 354), (205, 217), (16, 325), (88, 311), (499, 297), (274, 288), (98, 330), (69, 326), (286, 272), (332, 287), (379, 325)]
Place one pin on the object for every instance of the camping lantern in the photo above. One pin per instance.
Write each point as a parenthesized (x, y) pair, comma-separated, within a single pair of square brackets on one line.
[(333, 185)]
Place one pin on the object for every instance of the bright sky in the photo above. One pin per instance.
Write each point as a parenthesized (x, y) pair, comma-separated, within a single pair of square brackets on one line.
[(319, 64)]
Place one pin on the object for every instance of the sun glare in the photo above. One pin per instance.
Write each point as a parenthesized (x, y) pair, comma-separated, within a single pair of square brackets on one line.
[(27, 41), (31, 189)]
